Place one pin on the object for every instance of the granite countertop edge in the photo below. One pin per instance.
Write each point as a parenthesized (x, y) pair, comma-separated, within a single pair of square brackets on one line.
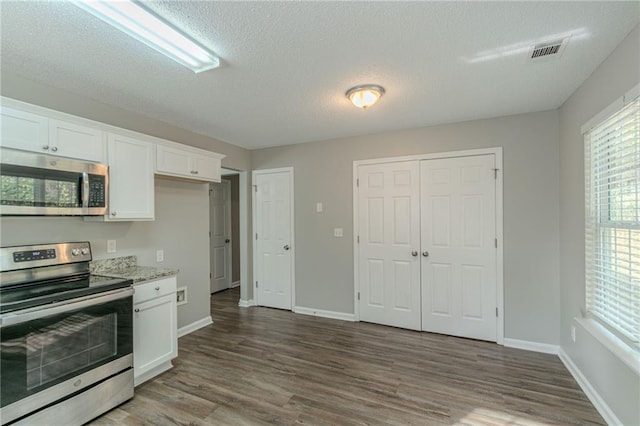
[(127, 268), (140, 274)]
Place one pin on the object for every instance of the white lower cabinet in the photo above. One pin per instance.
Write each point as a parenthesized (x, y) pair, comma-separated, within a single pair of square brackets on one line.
[(155, 328)]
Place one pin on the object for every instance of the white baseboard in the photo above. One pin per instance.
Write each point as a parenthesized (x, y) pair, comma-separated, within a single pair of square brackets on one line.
[(531, 346), (325, 314), (190, 328), (246, 303), (607, 414), (235, 284)]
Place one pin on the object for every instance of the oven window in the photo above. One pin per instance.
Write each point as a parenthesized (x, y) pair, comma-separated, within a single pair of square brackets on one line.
[(70, 345), (26, 186)]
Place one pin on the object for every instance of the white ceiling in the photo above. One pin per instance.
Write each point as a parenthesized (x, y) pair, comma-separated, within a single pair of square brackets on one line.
[(286, 65)]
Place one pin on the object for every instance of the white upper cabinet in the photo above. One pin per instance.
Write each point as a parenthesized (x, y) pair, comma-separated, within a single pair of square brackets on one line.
[(24, 130), (32, 132), (131, 186), (189, 163), (76, 141)]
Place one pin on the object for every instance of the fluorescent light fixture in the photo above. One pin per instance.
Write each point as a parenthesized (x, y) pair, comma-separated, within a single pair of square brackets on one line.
[(134, 19)]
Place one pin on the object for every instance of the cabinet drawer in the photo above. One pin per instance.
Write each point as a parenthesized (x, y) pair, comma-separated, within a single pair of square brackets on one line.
[(152, 289)]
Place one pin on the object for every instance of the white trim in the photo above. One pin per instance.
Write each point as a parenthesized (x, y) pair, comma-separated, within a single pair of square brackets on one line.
[(605, 411), (619, 348), (196, 325), (245, 240), (235, 284), (497, 152), (324, 314), (527, 345), (243, 303), (615, 106), (292, 243)]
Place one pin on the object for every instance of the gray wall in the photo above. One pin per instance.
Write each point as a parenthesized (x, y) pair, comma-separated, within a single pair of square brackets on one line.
[(612, 379), (235, 226), (180, 229), (323, 173)]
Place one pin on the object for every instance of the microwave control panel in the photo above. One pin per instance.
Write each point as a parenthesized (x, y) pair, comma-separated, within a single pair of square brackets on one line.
[(97, 191)]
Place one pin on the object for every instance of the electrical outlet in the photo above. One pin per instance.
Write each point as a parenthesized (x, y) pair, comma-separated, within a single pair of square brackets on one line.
[(337, 232), (111, 246), (319, 207), (181, 296), (573, 333), (160, 256)]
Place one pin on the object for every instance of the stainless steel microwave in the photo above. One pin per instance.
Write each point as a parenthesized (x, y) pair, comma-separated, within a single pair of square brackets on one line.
[(44, 185)]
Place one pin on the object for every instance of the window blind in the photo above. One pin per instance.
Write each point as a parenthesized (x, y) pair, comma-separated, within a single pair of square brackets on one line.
[(612, 235)]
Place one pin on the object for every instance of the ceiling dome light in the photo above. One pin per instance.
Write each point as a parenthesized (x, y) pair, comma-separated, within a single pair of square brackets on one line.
[(365, 96)]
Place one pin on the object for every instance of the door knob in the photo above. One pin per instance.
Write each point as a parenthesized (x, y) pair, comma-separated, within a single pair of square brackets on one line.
[(425, 253), (414, 253), (227, 241), (286, 247)]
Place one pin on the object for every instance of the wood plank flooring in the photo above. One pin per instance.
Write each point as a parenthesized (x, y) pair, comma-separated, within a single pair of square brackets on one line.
[(265, 366)]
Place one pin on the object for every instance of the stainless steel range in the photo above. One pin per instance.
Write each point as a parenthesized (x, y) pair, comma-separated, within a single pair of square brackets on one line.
[(66, 336)]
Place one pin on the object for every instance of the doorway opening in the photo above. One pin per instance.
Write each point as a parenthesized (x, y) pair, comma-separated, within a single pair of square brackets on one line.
[(228, 232)]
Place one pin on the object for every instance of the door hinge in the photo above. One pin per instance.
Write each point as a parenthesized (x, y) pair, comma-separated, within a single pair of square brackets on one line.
[(256, 284), (209, 234), (358, 239), (358, 295), (255, 188), (495, 242), (357, 183), (496, 312), (209, 275), (256, 236), (495, 173)]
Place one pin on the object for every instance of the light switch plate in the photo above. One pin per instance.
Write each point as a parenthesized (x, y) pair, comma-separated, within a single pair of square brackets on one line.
[(111, 246), (337, 232), (160, 256), (319, 207)]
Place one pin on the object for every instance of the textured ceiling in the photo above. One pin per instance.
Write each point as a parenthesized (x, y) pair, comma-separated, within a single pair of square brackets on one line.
[(286, 65)]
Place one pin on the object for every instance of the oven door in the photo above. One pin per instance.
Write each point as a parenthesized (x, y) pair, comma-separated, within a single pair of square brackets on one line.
[(50, 352)]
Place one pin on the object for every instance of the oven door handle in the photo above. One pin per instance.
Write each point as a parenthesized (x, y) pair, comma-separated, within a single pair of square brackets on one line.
[(37, 312)]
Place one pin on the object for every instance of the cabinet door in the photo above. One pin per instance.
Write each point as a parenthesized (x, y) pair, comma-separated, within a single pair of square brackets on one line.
[(130, 179), (206, 168), (76, 141), (173, 161), (154, 333), (23, 130)]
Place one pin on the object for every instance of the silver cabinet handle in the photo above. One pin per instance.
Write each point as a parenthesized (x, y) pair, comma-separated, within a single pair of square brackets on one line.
[(136, 310), (54, 148), (114, 213), (157, 288), (45, 147), (286, 247), (414, 253), (425, 253), (195, 172)]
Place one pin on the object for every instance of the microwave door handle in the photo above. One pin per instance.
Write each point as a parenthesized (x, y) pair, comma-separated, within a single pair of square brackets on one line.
[(85, 190), (37, 312)]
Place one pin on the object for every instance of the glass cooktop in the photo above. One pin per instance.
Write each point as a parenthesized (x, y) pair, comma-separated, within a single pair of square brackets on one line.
[(24, 296)]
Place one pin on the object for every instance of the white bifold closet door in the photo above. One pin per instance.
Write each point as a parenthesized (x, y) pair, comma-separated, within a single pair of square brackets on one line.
[(389, 222), (458, 233), (427, 255)]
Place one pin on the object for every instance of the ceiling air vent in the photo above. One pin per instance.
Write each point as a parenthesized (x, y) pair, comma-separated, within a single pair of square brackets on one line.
[(549, 49)]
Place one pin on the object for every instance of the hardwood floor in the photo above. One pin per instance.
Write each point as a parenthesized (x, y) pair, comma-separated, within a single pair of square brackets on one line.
[(266, 366)]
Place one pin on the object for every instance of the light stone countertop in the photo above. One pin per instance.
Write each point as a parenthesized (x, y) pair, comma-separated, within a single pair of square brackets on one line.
[(126, 267)]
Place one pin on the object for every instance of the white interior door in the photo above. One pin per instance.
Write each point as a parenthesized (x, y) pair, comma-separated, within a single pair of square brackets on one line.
[(389, 233), (273, 227), (220, 235), (458, 218)]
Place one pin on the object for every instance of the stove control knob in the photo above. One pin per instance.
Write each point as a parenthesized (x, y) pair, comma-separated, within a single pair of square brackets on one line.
[(85, 251), (75, 252)]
